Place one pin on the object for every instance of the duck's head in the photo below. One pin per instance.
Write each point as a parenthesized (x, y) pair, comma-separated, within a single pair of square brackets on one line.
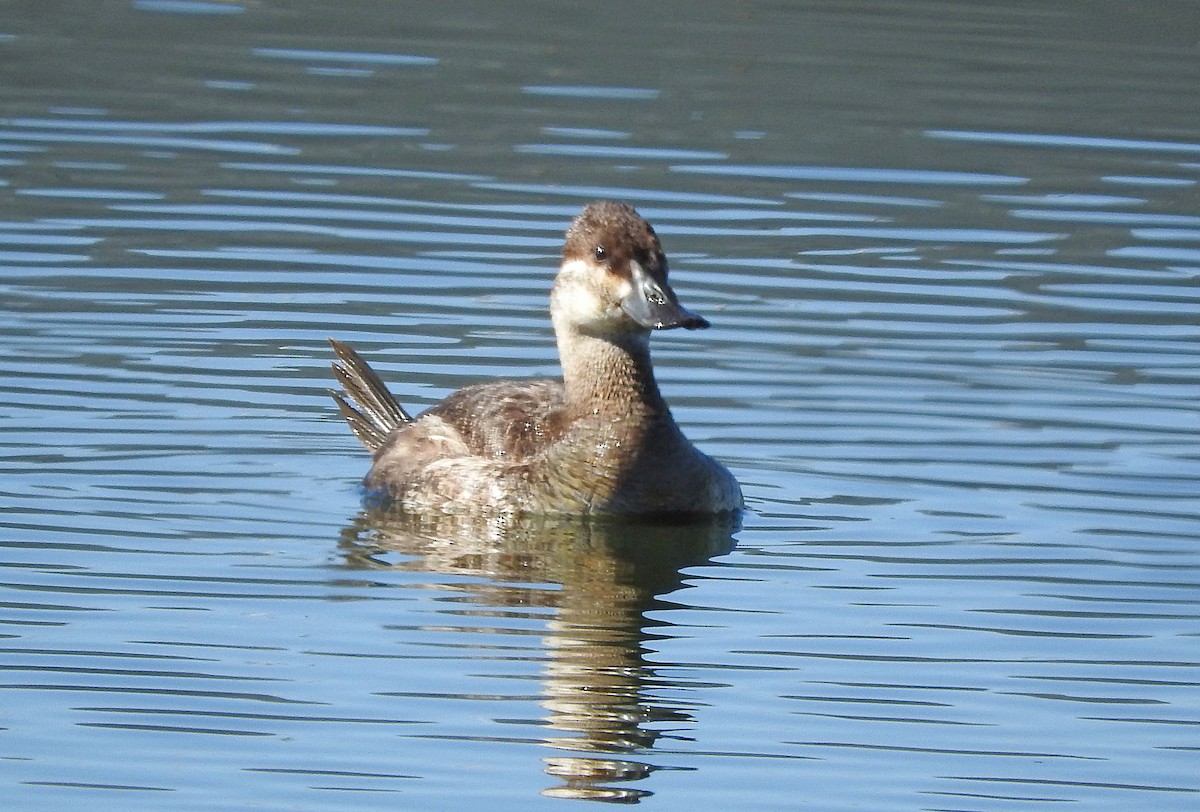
[(613, 277)]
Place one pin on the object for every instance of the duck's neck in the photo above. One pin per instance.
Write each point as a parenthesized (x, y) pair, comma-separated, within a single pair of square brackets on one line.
[(610, 374)]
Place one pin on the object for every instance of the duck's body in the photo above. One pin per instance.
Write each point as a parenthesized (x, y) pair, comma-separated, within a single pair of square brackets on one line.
[(599, 442)]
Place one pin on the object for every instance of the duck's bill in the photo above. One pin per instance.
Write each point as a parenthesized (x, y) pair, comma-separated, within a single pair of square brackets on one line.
[(654, 305)]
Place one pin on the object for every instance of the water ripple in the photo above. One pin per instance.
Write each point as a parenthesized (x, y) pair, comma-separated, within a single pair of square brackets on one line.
[(1065, 141), (850, 174)]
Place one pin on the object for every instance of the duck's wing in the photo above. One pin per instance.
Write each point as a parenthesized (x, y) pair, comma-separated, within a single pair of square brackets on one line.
[(511, 420), (456, 452)]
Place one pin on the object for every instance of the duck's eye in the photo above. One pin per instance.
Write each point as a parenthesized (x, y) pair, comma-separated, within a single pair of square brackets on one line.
[(601, 253)]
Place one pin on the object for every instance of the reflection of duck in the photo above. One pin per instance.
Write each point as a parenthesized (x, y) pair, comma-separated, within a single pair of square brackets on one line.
[(597, 683), (601, 441)]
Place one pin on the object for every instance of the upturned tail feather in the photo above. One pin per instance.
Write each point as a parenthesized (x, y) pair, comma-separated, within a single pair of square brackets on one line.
[(371, 410)]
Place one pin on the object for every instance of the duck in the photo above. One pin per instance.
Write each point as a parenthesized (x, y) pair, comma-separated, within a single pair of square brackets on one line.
[(599, 442)]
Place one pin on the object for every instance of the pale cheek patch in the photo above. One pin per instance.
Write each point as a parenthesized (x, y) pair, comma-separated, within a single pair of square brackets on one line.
[(575, 304), (575, 299)]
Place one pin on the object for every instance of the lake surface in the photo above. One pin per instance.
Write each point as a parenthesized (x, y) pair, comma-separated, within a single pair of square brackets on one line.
[(951, 253)]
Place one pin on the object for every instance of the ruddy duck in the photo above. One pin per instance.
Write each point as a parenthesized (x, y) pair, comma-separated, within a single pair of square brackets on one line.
[(599, 442)]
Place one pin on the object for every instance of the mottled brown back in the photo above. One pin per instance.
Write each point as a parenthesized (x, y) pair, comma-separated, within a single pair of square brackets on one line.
[(512, 419)]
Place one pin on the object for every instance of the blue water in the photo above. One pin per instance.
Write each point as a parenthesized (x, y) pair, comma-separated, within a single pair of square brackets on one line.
[(950, 254)]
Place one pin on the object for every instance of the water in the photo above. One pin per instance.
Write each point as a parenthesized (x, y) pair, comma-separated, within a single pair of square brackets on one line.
[(951, 256)]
